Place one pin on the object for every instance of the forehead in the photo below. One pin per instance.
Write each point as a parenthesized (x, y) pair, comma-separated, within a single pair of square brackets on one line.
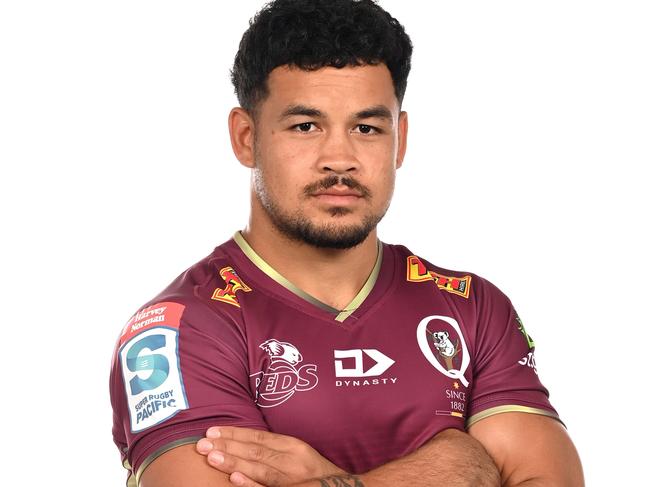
[(331, 89)]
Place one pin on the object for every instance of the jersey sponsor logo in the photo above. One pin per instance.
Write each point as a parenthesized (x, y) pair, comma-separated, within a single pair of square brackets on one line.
[(283, 377), (382, 363), (520, 327), (159, 314), (417, 272), (234, 283), (443, 345), (350, 364)]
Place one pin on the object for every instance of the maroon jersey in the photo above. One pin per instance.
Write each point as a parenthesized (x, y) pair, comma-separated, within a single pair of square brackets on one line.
[(232, 342)]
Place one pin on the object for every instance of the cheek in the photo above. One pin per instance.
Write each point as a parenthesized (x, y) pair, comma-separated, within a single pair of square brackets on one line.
[(286, 150), (384, 193), (387, 184), (281, 182), (280, 163)]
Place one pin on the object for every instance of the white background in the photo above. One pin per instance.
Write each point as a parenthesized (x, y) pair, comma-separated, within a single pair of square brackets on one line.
[(526, 164)]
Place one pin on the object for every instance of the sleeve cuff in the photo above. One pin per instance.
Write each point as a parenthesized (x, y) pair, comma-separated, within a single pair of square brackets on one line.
[(510, 408), (163, 449)]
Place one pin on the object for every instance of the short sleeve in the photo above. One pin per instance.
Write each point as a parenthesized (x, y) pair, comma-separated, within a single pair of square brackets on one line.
[(178, 369), (505, 372)]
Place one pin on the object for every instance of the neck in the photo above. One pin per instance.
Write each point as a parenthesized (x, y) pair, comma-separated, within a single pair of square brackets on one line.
[(333, 276)]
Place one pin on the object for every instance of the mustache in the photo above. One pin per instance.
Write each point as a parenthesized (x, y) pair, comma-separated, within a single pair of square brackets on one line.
[(332, 180)]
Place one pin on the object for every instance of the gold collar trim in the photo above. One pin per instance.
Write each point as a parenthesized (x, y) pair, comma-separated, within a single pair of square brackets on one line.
[(341, 315)]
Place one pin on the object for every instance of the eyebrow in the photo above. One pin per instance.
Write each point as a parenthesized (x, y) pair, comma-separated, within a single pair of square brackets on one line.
[(377, 111), (293, 110)]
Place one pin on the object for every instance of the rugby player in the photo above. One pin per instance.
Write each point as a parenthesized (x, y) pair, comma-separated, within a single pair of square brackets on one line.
[(305, 351)]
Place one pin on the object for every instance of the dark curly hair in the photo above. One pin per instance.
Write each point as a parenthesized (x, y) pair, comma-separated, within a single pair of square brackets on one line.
[(312, 34)]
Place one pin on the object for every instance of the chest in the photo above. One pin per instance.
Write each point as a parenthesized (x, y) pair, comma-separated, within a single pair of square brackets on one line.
[(364, 394)]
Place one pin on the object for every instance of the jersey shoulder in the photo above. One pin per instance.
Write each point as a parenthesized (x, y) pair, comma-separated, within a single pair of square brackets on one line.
[(462, 285), (178, 356), (194, 296)]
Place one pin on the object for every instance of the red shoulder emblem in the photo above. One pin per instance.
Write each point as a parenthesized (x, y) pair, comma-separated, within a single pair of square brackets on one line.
[(165, 314), (233, 284), (417, 272)]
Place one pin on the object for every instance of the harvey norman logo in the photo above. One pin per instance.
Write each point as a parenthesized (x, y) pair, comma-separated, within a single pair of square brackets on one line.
[(350, 364)]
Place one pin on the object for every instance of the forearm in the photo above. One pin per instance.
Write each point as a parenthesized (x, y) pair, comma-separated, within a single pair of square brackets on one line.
[(451, 458)]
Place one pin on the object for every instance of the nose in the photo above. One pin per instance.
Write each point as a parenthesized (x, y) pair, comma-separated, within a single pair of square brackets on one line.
[(338, 154)]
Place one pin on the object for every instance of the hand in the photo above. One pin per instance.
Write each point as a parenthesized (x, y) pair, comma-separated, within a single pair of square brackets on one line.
[(256, 458)]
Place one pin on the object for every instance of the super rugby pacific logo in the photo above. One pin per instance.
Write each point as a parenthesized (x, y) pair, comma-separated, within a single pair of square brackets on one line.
[(284, 376)]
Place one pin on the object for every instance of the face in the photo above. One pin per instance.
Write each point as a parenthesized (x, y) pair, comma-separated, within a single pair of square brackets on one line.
[(326, 145)]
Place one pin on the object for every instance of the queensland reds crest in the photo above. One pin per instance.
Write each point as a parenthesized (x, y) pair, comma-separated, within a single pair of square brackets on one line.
[(284, 376), (443, 345)]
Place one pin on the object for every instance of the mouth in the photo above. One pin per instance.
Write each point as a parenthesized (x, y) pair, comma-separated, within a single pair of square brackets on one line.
[(337, 199), (338, 195)]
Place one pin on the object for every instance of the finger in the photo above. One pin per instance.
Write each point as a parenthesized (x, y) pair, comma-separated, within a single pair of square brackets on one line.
[(247, 435), (239, 479), (258, 472), (246, 451), (204, 446)]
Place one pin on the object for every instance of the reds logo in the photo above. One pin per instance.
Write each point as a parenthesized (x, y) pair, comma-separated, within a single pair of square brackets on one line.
[(282, 377), (417, 272), (233, 284)]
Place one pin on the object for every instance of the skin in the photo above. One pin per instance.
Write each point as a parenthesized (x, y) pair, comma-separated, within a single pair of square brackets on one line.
[(254, 459), (530, 450), (286, 155), (451, 458), (286, 159)]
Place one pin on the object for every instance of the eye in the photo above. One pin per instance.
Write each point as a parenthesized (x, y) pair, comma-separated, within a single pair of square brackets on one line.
[(304, 127), (367, 129)]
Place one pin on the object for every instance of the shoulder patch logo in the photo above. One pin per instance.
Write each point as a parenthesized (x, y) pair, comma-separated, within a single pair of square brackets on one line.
[(283, 377), (233, 284), (417, 272), (150, 366)]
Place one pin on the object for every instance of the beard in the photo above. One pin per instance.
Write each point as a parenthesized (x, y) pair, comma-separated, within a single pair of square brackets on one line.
[(331, 235)]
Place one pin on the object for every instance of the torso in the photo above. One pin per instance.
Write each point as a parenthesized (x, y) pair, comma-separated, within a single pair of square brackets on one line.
[(352, 387), (363, 386)]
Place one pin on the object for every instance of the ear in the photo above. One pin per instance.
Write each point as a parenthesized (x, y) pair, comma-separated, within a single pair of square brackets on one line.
[(242, 134), (402, 133)]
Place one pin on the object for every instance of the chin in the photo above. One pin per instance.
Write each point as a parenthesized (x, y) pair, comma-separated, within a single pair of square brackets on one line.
[(334, 233)]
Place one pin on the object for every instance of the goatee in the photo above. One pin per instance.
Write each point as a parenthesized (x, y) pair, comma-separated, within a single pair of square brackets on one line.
[(327, 236)]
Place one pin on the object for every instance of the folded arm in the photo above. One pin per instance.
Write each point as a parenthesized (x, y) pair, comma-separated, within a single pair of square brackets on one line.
[(450, 458), (510, 449), (256, 459), (530, 450)]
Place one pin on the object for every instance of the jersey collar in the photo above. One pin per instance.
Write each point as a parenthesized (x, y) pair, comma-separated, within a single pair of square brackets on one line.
[(341, 315)]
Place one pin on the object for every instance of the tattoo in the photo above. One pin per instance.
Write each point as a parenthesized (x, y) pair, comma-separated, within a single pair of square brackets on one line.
[(341, 481)]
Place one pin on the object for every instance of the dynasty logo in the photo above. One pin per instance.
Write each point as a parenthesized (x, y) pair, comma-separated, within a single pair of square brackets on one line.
[(233, 284), (349, 364), (417, 272), (283, 377)]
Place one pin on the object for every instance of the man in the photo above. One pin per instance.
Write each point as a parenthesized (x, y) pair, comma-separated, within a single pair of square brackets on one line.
[(369, 365)]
